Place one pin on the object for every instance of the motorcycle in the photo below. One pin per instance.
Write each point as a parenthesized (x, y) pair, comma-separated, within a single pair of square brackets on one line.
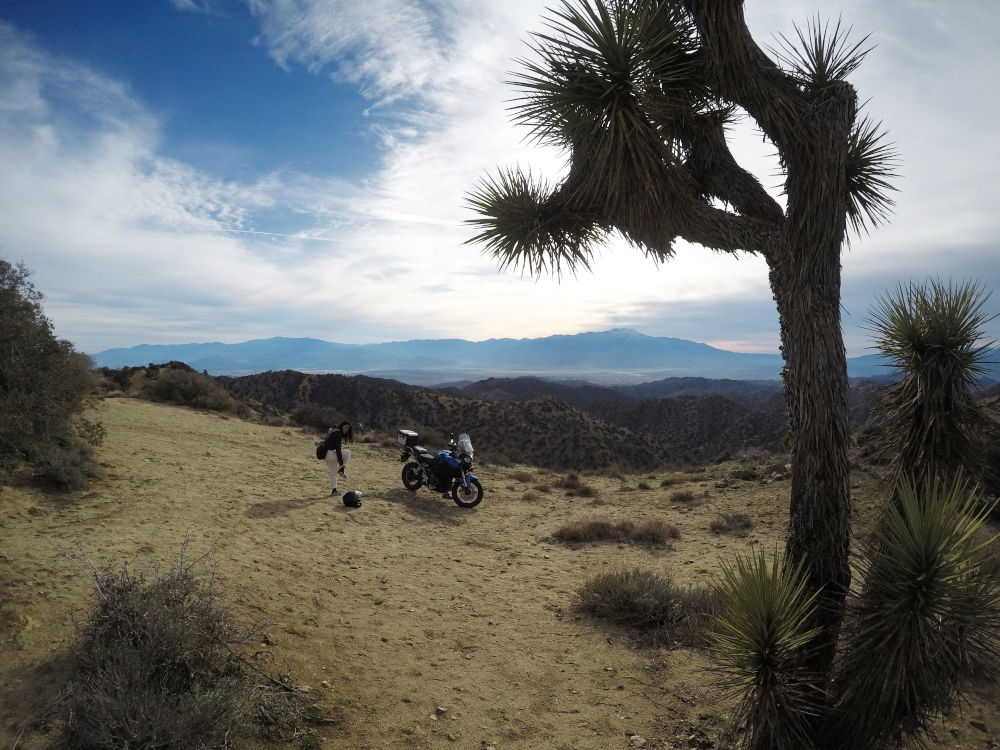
[(448, 470)]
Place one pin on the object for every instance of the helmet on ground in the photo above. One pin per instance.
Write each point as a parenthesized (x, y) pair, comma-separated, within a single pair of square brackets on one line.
[(352, 499)]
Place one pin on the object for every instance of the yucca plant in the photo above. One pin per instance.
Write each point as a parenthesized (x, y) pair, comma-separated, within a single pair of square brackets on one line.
[(928, 613), (762, 637), (930, 422)]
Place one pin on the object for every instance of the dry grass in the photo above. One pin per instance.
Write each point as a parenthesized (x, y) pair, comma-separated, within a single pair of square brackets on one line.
[(731, 522)]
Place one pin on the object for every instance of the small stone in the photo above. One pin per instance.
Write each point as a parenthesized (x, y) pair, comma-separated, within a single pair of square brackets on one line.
[(636, 741), (325, 684)]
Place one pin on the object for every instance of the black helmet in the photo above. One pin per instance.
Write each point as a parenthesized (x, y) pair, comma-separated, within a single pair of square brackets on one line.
[(352, 499)]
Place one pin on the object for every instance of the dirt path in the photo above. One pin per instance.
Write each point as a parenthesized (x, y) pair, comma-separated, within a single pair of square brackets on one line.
[(419, 623)]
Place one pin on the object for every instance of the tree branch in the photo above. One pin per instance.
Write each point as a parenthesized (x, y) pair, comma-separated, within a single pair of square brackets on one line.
[(744, 74), (719, 175)]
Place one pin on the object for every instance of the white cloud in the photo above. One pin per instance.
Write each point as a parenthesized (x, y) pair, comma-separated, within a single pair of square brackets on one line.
[(133, 247)]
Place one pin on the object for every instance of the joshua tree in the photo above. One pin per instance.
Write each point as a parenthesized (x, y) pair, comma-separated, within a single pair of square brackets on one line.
[(640, 94)]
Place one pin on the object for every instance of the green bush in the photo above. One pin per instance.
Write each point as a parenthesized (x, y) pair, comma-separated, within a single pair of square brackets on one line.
[(651, 604), (182, 385), (320, 418), (45, 385), (64, 468)]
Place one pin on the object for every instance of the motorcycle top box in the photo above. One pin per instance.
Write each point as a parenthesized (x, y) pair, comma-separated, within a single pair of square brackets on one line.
[(407, 437)]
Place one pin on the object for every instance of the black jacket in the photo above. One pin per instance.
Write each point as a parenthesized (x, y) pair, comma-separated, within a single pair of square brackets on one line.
[(332, 442)]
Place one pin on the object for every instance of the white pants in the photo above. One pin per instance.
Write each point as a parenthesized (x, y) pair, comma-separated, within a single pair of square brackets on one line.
[(331, 462)]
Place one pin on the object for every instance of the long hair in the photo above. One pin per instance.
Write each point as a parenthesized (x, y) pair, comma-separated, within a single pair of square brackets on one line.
[(349, 435)]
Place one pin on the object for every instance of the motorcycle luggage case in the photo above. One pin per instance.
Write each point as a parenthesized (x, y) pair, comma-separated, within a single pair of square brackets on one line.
[(407, 437)]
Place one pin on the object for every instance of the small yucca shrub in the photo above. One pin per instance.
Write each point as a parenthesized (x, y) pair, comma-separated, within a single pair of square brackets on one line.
[(929, 423), (928, 613), (762, 635)]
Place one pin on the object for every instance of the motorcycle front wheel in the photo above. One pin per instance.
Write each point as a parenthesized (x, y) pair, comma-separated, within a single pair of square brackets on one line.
[(411, 476), (468, 497)]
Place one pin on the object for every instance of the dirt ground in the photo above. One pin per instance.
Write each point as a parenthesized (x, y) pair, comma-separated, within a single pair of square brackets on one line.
[(418, 624)]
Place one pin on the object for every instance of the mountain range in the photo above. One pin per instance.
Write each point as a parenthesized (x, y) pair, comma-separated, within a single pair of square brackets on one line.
[(617, 356)]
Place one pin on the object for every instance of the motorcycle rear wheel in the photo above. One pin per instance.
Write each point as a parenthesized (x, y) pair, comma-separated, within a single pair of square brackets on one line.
[(468, 497), (411, 476)]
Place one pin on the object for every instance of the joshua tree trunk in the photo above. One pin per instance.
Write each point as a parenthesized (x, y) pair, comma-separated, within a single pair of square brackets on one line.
[(816, 393), (805, 280)]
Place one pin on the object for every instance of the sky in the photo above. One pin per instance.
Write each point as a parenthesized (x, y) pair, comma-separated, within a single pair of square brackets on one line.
[(184, 171)]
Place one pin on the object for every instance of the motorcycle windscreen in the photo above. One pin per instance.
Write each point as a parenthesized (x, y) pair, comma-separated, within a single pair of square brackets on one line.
[(465, 444)]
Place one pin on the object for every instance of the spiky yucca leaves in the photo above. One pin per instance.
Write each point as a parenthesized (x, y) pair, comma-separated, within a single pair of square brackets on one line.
[(928, 613), (931, 421), (522, 224), (822, 55), (762, 636), (871, 163), (619, 84)]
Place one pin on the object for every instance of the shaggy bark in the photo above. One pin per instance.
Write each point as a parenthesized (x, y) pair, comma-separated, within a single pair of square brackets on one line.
[(811, 129)]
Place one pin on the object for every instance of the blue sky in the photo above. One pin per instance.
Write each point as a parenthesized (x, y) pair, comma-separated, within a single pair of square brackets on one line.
[(180, 171)]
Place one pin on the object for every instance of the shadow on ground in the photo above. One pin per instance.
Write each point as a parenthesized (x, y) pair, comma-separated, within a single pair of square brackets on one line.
[(284, 506), (426, 505)]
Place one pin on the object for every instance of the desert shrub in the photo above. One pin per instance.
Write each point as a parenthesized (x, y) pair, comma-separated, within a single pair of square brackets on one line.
[(575, 486), (184, 386), (671, 481), (762, 636), (571, 481), (66, 467), (529, 496), (682, 496), (154, 666), (652, 533), (544, 488), (522, 476), (731, 522), (649, 603), (927, 616), (643, 485), (497, 458), (587, 531), (45, 385)]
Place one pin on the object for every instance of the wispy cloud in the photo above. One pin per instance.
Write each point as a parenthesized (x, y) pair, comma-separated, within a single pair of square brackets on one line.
[(132, 246)]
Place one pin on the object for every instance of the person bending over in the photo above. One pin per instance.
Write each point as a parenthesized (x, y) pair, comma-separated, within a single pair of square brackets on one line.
[(336, 455)]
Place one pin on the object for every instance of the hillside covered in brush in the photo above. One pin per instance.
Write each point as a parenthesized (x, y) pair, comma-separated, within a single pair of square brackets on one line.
[(531, 420)]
